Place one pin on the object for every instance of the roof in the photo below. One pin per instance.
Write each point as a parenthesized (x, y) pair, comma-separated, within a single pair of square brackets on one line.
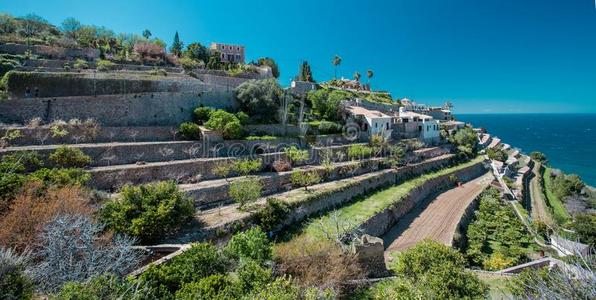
[(411, 115), (494, 143), (454, 123), (361, 111)]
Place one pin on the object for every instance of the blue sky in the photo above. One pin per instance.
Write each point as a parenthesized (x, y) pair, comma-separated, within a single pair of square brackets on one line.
[(488, 56)]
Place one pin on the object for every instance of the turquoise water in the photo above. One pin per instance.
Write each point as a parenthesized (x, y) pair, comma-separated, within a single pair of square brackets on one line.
[(568, 140)]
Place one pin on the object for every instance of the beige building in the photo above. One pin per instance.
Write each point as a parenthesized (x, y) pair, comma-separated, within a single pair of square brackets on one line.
[(230, 53)]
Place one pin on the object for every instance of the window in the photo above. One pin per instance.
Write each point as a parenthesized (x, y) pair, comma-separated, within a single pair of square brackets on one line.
[(387, 125), (376, 125)]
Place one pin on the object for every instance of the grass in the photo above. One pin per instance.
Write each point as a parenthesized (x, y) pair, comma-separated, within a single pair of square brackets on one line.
[(362, 209), (497, 285), (560, 214), (522, 210)]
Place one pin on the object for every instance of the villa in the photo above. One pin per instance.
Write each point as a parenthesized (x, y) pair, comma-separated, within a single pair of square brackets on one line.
[(372, 122), (230, 53), (410, 124)]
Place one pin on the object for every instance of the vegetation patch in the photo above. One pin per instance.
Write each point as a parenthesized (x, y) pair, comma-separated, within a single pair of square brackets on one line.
[(553, 199)]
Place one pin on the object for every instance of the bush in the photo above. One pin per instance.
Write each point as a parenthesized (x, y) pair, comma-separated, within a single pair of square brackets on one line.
[(21, 161), (200, 261), (216, 287), (498, 154), (296, 155), (247, 166), (270, 216), (261, 138), (105, 65), (80, 64), (69, 157), (280, 289), (61, 177), (14, 284), (252, 275), (36, 205), (242, 117), (202, 114), (315, 262), (106, 286), (188, 63), (281, 165), (223, 169), (538, 156), (189, 131), (225, 122), (245, 191), (432, 270), (260, 99), (158, 72), (148, 211), (305, 179), (326, 127), (359, 151), (252, 244)]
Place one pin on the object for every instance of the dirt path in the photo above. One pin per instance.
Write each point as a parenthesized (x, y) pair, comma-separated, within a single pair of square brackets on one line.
[(539, 209), (437, 218)]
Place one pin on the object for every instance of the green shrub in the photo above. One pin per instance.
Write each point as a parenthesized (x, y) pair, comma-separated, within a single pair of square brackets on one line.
[(189, 131), (21, 161), (69, 157), (359, 151), (261, 138), (280, 289), (247, 166), (233, 131), (10, 184), (147, 212), (188, 63), (202, 114), (305, 179), (242, 117), (223, 169), (225, 122), (7, 65), (270, 216), (251, 244), (213, 287), (106, 286), (538, 156), (296, 155), (326, 127), (252, 275), (61, 177), (105, 65), (14, 282), (158, 72), (245, 191), (196, 263), (80, 64)]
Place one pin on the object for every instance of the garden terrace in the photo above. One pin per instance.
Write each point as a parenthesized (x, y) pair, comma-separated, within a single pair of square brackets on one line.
[(376, 213), (214, 223), (208, 194), (122, 153)]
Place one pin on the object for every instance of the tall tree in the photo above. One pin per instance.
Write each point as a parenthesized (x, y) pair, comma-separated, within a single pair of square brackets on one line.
[(336, 62), (357, 76), (268, 61), (177, 45), (146, 33), (70, 26), (369, 74), (305, 73)]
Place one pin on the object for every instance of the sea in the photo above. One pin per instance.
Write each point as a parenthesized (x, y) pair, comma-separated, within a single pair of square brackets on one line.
[(568, 140)]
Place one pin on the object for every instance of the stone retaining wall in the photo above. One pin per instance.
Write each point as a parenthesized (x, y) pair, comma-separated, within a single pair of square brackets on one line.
[(152, 109), (380, 223), (42, 135), (51, 52)]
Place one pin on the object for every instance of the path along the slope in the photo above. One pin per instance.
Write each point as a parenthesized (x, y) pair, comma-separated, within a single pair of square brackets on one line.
[(437, 218), (539, 209)]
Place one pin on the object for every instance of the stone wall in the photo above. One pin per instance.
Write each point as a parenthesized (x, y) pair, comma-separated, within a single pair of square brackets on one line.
[(52, 52), (150, 109), (42, 135)]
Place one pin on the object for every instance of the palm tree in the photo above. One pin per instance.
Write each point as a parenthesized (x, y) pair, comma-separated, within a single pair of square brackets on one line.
[(357, 76), (336, 62)]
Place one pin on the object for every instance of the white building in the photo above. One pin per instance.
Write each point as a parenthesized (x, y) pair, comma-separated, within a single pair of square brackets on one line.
[(415, 125), (371, 121)]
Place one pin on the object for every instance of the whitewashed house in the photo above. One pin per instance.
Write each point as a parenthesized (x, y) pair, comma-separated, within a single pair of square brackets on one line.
[(415, 125), (372, 122)]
